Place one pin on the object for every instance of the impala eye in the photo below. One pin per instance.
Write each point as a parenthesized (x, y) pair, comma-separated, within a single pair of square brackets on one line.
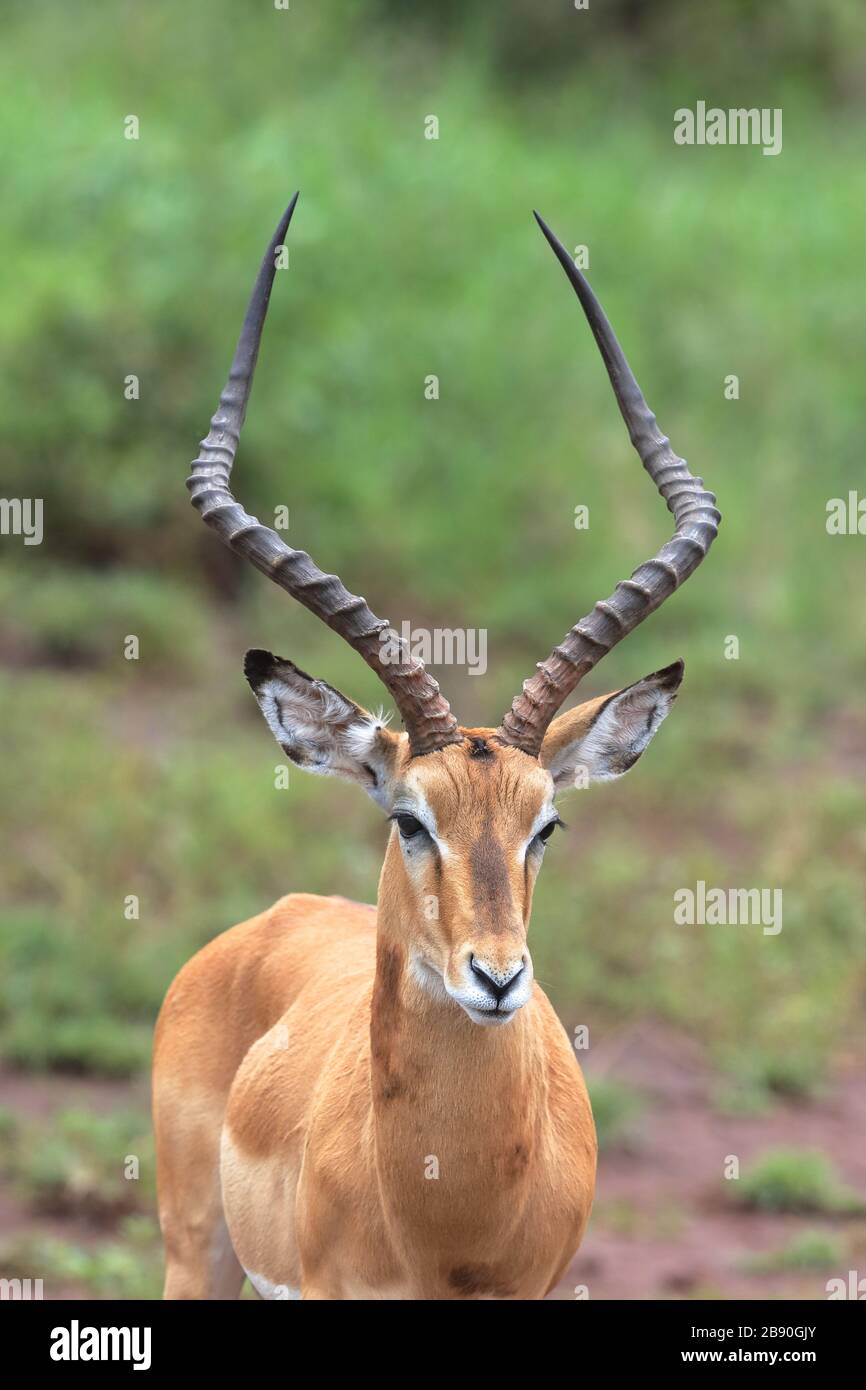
[(408, 826), (546, 831)]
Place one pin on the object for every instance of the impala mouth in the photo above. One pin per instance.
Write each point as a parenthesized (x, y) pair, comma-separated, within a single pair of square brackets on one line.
[(490, 1018)]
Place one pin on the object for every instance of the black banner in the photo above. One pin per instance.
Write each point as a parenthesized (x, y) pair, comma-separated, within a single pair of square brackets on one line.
[(83, 1339)]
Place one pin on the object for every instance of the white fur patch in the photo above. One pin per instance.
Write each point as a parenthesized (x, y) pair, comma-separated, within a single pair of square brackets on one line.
[(266, 1289), (545, 815), (416, 805), (360, 739)]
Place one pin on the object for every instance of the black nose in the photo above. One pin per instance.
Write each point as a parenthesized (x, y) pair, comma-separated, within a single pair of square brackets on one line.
[(498, 991)]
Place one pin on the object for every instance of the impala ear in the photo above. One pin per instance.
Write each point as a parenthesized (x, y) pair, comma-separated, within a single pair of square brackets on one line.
[(601, 739), (322, 730)]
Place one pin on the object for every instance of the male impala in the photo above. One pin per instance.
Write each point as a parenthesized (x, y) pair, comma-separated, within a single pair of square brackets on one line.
[(359, 1102)]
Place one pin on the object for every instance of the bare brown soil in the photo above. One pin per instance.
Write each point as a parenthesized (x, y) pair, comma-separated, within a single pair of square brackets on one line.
[(664, 1224)]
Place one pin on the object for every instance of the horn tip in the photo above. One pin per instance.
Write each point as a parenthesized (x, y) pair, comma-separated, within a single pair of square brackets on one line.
[(287, 215), (558, 250), (544, 227)]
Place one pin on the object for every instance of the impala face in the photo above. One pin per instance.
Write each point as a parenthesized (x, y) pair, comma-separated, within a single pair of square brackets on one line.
[(471, 825), (470, 820)]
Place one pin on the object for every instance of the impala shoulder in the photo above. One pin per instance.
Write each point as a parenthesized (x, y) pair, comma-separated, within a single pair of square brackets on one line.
[(212, 971), (298, 908)]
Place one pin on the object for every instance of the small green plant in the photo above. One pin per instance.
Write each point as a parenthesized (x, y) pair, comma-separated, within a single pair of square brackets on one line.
[(810, 1250), (758, 1079), (796, 1180)]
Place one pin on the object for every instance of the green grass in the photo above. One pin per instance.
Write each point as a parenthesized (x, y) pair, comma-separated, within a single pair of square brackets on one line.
[(79, 1164), (807, 1251), (706, 279), (129, 1267), (796, 1180)]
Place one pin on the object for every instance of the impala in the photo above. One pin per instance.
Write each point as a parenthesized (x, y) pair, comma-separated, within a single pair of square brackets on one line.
[(360, 1102)]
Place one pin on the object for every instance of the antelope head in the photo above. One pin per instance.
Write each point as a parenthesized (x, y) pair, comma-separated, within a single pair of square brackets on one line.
[(471, 809)]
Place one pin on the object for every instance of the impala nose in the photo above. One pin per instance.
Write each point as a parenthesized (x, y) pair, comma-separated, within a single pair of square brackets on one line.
[(496, 982)]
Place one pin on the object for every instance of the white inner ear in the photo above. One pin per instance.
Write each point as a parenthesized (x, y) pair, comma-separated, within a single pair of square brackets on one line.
[(325, 733), (310, 722), (616, 739)]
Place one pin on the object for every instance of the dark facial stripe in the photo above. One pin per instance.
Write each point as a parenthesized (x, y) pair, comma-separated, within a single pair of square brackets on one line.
[(490, 882)]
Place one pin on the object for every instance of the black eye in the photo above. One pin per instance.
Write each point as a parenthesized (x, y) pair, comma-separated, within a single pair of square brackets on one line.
[(545, 833), (408, 826)]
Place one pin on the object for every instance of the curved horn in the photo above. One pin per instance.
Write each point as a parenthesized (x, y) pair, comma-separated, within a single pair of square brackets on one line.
[(697, 523), (426, 714)]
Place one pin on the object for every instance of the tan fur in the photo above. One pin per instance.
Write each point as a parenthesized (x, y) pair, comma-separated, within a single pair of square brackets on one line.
[(308, 1080), (570, 728)]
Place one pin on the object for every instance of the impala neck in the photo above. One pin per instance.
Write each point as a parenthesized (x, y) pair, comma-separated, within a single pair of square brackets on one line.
[(459, 1121)]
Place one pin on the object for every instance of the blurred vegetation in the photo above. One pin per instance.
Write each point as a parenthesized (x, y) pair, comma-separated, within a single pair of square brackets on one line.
[(129, 1267), (809, 1250), (796, 1180), (616, 1110), (79, 1165), (155, 777)]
